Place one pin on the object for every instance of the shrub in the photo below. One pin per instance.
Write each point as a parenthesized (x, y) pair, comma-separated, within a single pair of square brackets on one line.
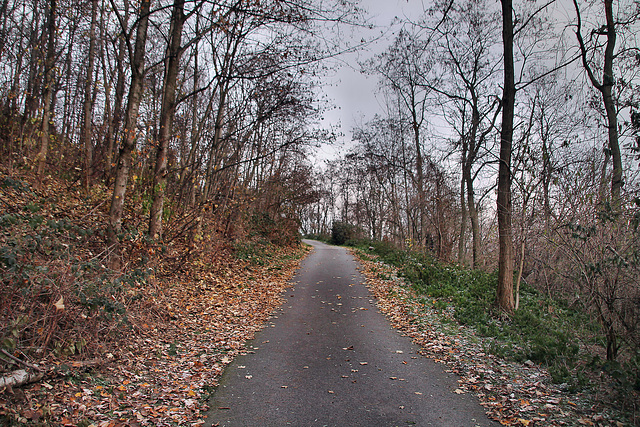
[(542, 330), (342, 232)]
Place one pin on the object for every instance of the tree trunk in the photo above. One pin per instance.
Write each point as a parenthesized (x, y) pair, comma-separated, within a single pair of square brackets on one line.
[(114, 126), (129, 139), (473, 216), (605, 88), (504, 295), (3, 29), (33, 81), (473, 148), (70, 106), (167, 112), (612, 343), (608, 81), (188, 167), (420, 183), (15, 81), (463, 221), (217, 137), (87, 106), (546, 184), (47, 92)]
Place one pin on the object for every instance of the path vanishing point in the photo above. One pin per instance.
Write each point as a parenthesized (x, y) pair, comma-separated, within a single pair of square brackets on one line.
[(328, 357)]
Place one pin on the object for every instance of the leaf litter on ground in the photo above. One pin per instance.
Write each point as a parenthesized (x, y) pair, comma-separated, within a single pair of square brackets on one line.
[(188, 323), (514, 394)]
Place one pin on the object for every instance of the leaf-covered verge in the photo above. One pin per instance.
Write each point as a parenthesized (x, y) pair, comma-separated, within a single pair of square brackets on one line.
[(539, 367), (143, 346)]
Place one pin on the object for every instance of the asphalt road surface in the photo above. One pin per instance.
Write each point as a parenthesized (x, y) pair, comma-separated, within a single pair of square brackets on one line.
[(329, 358)]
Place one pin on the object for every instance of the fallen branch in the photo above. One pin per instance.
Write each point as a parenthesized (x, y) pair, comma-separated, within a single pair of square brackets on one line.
[(19, 361), (19, 377)]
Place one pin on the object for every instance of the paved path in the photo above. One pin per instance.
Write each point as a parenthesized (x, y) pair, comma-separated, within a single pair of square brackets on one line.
[(329, 358)]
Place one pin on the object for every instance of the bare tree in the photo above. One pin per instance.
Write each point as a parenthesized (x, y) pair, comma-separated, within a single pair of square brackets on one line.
[(605, 53), (466, 39), (130, 128), (404, 68), (88, 99), (47, 91), (505, 299), (113, 127), (174, 50)]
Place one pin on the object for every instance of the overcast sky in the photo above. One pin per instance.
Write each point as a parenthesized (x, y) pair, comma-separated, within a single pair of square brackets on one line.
[(354, 93)]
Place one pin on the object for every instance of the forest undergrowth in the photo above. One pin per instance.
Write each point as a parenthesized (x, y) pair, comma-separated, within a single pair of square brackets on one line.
[(141, 346), (543, 365)]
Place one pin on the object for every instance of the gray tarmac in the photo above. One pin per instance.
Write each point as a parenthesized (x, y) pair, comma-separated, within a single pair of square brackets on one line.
[(329, 358)]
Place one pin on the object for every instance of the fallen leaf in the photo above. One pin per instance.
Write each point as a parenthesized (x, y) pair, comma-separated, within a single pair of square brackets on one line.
[(59, 305)]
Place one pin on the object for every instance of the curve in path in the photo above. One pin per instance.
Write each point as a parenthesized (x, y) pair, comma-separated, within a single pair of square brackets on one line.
[(329, 358)]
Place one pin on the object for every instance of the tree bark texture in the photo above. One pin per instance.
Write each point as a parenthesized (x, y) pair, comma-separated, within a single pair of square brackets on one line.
[(114, 127), (608, 81), (88, 99), (473, 216), (463, 220), (131, 119), (33, 81), (19, 377), (167, 112), (606, 90), (419, 176), (47, 92), (504, 297), (473, 146)]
